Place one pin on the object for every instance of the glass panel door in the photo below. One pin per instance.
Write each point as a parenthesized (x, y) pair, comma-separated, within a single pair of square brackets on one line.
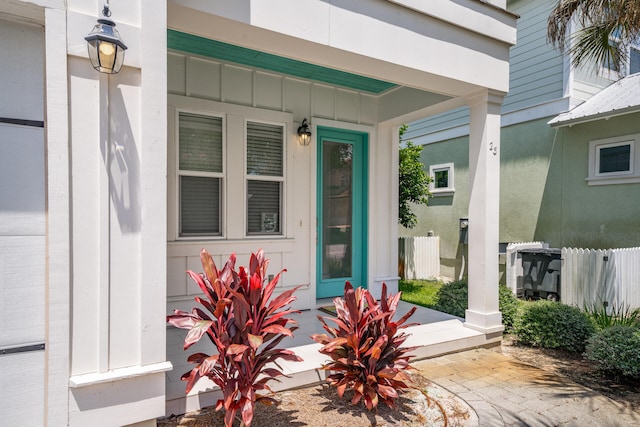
[(341, 211)]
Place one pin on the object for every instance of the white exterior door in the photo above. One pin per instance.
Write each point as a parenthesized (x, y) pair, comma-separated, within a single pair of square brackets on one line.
[(22, 225)]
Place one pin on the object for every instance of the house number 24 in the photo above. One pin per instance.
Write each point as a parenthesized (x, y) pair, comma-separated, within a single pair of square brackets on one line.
[(493, 148)]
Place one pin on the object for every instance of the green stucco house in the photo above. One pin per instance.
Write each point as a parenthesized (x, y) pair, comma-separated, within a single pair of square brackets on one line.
[(569, 153)]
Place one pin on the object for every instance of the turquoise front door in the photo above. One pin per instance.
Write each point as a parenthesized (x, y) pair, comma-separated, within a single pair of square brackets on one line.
[(342, 210)]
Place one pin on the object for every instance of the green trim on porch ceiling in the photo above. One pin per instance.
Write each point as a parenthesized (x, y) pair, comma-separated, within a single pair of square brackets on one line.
[(227, 52)]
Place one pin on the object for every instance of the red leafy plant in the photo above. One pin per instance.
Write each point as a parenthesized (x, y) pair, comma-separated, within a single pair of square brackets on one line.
[(365, 347), (245, 325)]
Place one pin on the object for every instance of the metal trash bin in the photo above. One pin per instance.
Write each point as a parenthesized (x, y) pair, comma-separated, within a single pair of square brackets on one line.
[(541, 273)]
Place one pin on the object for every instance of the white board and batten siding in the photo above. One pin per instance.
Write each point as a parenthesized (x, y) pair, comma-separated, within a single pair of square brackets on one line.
[(204, 84), (591, 276), (420, 257), (22, 225), (206, 78)]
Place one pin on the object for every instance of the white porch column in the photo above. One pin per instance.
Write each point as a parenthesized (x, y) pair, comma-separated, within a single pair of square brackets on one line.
[(484, 201), (383, 229)]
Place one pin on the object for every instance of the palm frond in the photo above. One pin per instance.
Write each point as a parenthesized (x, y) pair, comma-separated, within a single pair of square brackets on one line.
[(607, 28), (593, 45)]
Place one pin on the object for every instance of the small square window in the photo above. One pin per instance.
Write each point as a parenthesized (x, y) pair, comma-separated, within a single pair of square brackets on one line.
[(614, 158), (613, 161), (442, 179)]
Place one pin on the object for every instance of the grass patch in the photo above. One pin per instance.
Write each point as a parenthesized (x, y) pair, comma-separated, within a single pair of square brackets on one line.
[(420, 292)]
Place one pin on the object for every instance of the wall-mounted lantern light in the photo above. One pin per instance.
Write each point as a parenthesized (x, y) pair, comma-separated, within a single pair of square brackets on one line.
[(304, 134), (106, 49)]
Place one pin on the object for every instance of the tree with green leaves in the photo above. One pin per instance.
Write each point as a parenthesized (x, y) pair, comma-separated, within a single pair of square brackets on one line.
[(606, 29), (414, 181)]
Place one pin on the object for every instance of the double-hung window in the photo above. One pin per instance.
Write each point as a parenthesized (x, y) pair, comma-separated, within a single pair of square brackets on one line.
[(200, 174), (228, 172), (264, 177)]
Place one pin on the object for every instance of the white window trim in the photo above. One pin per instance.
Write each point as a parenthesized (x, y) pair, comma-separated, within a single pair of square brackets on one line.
[(233, 222), (441, 192), (601, 146), (281, 179), (622, 177), (221, 175)]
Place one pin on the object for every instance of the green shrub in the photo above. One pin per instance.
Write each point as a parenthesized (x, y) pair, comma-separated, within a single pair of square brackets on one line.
[(616, 314), (453, 298), (616, 350), (509, 305), (550, 324)]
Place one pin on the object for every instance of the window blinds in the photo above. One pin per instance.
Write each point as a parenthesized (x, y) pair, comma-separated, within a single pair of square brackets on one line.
[(200, 143), (264, 149), (263, 207), (199, 205), (200, 150)]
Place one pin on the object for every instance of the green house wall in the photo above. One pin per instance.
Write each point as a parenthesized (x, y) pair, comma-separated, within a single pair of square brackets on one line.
[(544, 195)]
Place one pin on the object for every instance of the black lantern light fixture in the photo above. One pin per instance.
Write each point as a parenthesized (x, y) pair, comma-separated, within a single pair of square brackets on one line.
[(304, 134), (106, 49)]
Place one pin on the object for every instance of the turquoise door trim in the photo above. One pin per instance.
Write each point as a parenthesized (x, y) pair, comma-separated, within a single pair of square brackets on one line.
[(331, 283)]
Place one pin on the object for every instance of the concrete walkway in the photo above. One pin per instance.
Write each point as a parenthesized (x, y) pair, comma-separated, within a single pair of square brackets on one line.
[(506, 392)]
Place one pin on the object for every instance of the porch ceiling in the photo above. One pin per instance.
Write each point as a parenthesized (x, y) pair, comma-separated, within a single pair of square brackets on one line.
[(228, 52), (382, 40), (415, 59)]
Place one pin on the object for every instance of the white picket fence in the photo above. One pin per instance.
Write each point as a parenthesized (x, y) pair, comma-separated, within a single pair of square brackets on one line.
[(419, 257), (591, 276)]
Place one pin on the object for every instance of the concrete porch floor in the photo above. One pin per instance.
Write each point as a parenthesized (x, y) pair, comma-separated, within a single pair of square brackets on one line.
[(436, 334)]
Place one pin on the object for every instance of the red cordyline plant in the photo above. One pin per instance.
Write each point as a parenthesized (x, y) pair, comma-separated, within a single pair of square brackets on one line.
[(244, 325), (365, 347)]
